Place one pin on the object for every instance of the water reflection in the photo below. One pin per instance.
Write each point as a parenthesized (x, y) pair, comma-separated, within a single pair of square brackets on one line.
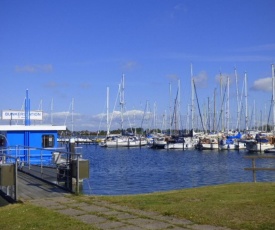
[(142, 170)]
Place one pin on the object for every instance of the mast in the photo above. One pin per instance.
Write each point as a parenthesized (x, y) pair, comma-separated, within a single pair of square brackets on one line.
[(154, 117), (227, 114), (178, 107), (273, 93), (188, 118), (192, 99), (222, 127), (246, 105), (107, 112), (163, 125), (208, 115), (238, 105), (174, 117), (254, 115), (170, 108), (72, 115), (214, 119), (122, 101), (27, 109), (198, 106)]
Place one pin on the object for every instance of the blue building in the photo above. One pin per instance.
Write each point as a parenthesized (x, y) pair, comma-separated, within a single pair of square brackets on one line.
[(28, 141)]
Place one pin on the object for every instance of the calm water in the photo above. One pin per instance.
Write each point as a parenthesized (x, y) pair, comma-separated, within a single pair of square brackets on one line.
[(142, 170)]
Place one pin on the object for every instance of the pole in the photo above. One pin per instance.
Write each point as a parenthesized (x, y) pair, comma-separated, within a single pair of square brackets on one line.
[(273, 93), (246, 105)]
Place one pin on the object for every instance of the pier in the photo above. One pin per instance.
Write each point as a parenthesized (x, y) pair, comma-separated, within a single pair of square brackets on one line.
[(30, 188), (59, 174)]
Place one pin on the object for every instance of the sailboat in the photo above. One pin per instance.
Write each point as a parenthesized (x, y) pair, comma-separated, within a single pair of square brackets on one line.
[(179, 140), (264, 142), (205, 141), (124, 139)]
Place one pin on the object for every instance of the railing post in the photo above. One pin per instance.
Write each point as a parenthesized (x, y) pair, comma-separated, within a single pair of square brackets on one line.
[(41, 164), (29, 158), (16, 180)]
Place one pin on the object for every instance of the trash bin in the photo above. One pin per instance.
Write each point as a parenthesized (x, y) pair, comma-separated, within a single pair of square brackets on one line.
[(84, 169), (7, 174)]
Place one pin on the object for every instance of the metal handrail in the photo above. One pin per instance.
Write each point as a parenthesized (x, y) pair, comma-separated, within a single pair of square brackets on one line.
[(21, 157)]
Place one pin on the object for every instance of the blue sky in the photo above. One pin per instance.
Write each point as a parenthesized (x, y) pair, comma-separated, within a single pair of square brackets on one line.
[(64, 50)]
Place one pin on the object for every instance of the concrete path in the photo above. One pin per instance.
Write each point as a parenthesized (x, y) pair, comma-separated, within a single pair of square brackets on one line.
[(107, 216)]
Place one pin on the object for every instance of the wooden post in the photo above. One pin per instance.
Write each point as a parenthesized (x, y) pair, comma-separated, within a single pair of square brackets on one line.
[(254, 170), (77, 175)]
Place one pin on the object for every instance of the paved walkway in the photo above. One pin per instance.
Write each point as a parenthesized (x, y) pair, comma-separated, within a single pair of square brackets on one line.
[(108, 216)]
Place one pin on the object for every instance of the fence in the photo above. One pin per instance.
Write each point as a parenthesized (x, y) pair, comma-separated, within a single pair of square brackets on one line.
[(254, 169)]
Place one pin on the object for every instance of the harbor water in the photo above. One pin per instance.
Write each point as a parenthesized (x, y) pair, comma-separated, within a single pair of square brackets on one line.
[(121, 171)]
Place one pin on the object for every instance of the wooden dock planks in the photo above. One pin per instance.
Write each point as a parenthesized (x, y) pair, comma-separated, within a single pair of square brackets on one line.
[(30, 188)]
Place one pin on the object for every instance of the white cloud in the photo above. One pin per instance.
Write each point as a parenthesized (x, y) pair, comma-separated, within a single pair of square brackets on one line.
[(44, 68), (265, 47), (54, 84), (201, 79), (130, 65), (263, 84), (172, 77), (225, 58), (132, 118)]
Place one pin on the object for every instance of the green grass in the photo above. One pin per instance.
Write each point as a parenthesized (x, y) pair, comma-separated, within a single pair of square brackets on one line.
[(26, 216), (237, 206)]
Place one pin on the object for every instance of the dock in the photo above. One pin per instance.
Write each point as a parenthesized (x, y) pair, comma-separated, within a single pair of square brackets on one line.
[(30, 188)]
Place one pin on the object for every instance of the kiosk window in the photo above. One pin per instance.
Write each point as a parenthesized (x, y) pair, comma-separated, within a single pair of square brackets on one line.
[(47, 141)]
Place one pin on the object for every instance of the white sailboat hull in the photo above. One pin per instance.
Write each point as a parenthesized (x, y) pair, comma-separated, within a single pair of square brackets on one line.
[(123, 142), (253, 146), (210, 146)]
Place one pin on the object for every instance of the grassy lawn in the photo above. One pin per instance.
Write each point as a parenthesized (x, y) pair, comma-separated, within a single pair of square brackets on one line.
[(26, 216), (238, 206)]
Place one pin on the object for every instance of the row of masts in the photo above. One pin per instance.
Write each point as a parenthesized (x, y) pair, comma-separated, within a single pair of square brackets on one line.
[(175, 115), (220, 121), (224, 116)]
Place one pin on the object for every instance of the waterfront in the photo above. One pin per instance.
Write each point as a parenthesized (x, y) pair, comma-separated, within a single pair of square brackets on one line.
[(120, 171)]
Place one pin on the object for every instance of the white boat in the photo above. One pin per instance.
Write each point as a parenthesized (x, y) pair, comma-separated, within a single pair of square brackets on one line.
[(254, 146), (157, 142), (260, 143), (271, 150), (208, 143), (114, 141), (239, 144), (230, 142), (124, 139), (183, 143)]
